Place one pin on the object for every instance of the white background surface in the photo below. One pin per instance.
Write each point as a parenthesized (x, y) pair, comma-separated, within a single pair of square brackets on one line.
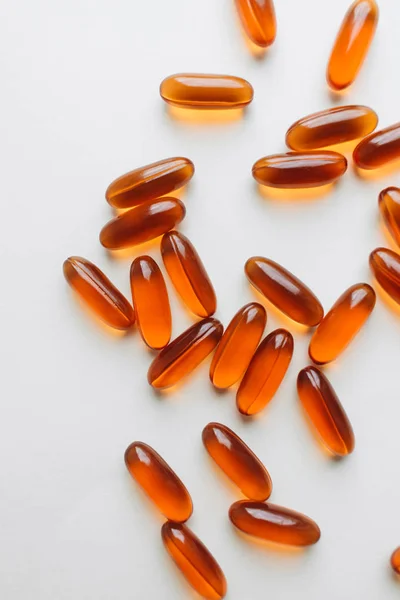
[(80, 106)]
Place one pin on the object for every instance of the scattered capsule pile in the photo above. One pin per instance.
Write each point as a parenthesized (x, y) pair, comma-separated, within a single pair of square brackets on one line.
[(239, 354)]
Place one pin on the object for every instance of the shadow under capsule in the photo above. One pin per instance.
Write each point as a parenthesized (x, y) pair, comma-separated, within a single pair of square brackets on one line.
[(338, 96), (196, 116), (377, 174), (304, 195), (131, 252)]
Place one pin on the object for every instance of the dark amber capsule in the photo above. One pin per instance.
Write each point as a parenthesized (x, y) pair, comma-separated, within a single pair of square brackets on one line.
[(342, 323), (159, 481), (395, 561), (258, 20), (194, 560), (238, 345), (149, 182), (284, 290), (97, 291), (389, 205), (385, 265), (190, 90), (274, 523), (265, 372), (150, 299), (332, 126), (188, 274), (352, 43), (237, 461), (142, 223), (378, 149), (325, 412), (185, 353)]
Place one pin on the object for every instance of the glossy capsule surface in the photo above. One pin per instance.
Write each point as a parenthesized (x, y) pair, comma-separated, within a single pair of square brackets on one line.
[(385, 265), (389, 206), (159, 481), (97, 291), (188, 274), (379, 148), (142, 223), (395, 561), (342, 323), (325, 411), (150, 299), (274, 523), (194, 560), (352, 43), (238, 345), (265, 372), (185, 353), (258, 20), (284, 290), (237, 461), (190, 90), (149, 182), (332, 126)]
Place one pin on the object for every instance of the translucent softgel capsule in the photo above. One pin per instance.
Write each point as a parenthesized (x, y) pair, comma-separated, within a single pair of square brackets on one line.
[(385, 265), (389, 206), (258, 20), (395, 561), (379, 148)]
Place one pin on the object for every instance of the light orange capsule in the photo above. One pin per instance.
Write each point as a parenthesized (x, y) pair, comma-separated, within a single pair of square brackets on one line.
[(258, 20), (378, 149), (395, 561), (149, 182), (265, 372), (185, 353), (352, 43), (142, 223), (190, 90), (97, 291), (238, 345), (237, 461), (274, 523), (188, 274), (389, 205), (150, 299), (194, 560), (342, 323), (385, 265)]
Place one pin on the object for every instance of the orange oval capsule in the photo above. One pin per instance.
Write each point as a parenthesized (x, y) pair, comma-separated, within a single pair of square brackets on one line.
[(265, 372), (149, 182), (258, 20), (185, 353), (342, 323), (189, 90), (284, 290), (150, 299), (142, 223), (332, 126), (274, 523), (97, 291), (237, 461), (352, 43), (378, 149), (385, 265), (194, 560), (395, 561), (159, 481), (238, 345), (389, 206), (188, 274), (325, 411)]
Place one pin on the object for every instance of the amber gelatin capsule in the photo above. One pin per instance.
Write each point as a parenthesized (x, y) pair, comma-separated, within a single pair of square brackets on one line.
[(379, 148), (150, 299), (185, 353), (194, 560), (274, 523), (265, 372), (97, 291), (385, 265), (237, 461), (159, 481), (395, 561), (190, 90), (238, 345), (342, 323), (258, 20), (389, 205), (149, 182)]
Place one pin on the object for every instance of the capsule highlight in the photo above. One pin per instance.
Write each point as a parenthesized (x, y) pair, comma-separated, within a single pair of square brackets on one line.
[(385, 266), (258, 20), (378, 149), (389, 206)]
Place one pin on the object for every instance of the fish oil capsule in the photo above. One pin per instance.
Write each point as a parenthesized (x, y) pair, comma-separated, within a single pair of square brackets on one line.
[(258, 20), (190, 90), (185, 353), (188, 274), (395, 561), (265, 372), (237, 461), (352, 43), (284, 290), (332, 126), (325, 411), (274, 523), (149, 182), (97, 291), (385, 265), (159, 481), (142, 223), (194, 560), (238, 345), (342, 323), (150, 299), (389, 206), (379, 148)]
